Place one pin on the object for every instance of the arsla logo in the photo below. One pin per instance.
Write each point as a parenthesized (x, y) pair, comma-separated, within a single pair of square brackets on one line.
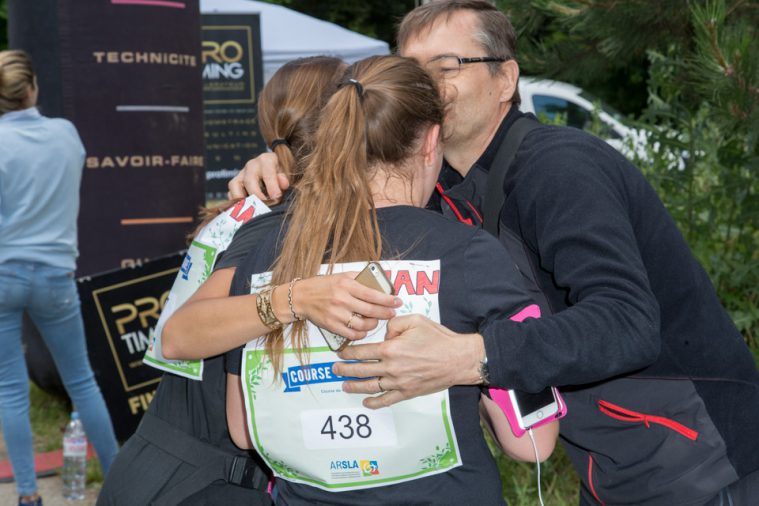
[(338, 465), (222, 60), (369, 468)]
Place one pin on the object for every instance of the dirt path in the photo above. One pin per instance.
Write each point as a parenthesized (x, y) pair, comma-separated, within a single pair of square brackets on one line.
[(49, 487)]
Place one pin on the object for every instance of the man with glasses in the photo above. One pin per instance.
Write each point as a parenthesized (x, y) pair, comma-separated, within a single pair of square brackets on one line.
[(662, 392)]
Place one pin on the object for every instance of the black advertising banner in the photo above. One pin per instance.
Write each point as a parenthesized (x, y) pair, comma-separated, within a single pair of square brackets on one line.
[(33, 27), (127, 73), (131, 84), (232, 79), (120, 310)]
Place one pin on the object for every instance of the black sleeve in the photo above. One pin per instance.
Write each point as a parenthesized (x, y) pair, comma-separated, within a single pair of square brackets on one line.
[(492, 292), (577, 217), (233, 361), (248, 236)]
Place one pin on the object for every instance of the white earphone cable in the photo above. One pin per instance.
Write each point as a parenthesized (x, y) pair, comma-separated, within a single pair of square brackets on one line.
[(537, 463)]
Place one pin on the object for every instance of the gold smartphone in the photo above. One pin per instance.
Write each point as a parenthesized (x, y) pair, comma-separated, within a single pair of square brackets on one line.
[(372, 276)]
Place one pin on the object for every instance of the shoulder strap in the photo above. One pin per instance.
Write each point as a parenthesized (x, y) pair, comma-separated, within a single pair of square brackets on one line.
[(494, 196)]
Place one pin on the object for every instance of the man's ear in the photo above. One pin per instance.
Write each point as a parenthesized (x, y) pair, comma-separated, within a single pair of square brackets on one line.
[(430, 144), (509, 78)]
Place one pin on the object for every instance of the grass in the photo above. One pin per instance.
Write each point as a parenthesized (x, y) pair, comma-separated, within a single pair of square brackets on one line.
[(560, 484), (49, 414), (558, 481)]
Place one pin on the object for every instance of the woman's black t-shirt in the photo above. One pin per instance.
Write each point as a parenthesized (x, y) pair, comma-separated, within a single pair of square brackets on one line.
[(476, 286)]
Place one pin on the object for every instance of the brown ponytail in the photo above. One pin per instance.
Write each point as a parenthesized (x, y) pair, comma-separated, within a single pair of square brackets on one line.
[(288, 108), (376, 121), (16, 77)]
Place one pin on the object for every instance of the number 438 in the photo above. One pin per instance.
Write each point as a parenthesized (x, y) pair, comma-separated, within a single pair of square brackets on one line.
[(350, 427)]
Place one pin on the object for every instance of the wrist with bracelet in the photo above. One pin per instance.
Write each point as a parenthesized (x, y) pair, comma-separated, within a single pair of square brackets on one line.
[(265, 309), (265, 306), (296, 317)]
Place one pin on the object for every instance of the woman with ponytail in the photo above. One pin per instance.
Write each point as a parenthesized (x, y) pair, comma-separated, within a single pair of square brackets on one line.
[(376, 158), (182, 452)]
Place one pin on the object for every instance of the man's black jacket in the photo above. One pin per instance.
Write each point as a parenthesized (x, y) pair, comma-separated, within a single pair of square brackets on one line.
[(662, 391)]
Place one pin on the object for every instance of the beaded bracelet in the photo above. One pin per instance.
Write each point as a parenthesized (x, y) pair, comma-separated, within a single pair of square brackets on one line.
[(265, 311), (296, 317)]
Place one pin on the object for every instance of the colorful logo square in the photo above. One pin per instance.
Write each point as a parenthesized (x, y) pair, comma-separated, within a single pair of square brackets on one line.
[(369, 468)]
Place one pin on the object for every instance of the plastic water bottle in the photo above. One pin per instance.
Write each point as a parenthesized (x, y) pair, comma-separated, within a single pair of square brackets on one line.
[(74, 459)]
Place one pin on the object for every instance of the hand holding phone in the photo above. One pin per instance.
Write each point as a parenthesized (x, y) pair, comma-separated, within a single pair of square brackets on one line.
[(372, 276)]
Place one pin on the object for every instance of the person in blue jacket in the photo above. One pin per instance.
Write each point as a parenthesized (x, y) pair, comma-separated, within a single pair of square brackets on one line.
[(41, 161)]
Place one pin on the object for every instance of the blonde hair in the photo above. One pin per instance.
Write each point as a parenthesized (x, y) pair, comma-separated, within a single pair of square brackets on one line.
[(16, 77), (288, 108), (377, 118)]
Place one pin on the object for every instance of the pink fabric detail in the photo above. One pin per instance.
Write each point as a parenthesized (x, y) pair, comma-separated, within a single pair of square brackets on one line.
[(531, 311), (271, 485), (501, 397)]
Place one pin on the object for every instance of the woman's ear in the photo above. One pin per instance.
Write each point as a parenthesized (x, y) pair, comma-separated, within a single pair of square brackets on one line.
[(431, 145)]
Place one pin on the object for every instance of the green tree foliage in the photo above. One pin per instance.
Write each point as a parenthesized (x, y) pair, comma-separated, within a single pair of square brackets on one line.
[(697, 63), (599, 45), (704, 104), (375, 18)]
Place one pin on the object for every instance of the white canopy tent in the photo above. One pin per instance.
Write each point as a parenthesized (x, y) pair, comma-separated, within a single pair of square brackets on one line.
[(287, 34)]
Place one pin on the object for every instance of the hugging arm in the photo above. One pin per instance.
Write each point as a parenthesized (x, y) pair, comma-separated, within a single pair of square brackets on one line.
[(579, 220), (420, 356), (261, 177), (212, 322)]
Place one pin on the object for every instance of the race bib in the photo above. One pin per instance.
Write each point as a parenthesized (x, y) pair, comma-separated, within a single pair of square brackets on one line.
[(196, 268), (309, 431)]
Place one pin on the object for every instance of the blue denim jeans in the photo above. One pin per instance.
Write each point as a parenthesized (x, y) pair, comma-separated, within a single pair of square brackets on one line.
[(50, 297)]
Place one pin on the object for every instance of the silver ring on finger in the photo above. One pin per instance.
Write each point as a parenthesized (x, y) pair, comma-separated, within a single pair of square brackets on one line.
[(350, 320)]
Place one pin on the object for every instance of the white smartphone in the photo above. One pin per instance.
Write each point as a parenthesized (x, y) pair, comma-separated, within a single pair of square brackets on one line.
[(371, 276), (532, 409)]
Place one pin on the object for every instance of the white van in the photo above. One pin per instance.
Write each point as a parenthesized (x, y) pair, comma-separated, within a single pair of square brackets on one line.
[(546, 98)]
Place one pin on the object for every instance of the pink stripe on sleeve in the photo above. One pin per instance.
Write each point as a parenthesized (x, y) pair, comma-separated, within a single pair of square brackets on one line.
[(531, 311)]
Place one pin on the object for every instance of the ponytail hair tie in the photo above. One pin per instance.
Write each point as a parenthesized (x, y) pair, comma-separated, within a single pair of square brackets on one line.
[(359, 87), (277, 142)]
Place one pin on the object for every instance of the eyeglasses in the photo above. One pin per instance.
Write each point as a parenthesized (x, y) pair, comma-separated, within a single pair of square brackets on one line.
[(447, 67)]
